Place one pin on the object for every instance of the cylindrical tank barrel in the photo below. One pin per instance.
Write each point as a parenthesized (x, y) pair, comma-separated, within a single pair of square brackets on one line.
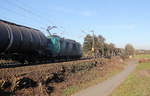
[(17, 38)]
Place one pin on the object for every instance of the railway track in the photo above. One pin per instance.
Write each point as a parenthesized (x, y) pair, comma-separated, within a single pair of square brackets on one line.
[(13, 64), (9, 63)]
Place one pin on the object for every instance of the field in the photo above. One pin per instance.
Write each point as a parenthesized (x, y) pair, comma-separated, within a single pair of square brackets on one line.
[(138, 82), (57, 79), (142, 56)]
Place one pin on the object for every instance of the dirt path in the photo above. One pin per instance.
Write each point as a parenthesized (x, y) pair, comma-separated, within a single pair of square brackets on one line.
[(105, 88)]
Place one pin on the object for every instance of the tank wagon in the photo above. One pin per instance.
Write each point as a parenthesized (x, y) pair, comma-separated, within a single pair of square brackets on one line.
[(23, 44)]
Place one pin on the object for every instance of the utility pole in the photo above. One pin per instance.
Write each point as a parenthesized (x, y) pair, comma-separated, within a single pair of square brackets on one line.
[(93, 45), (93, 41)]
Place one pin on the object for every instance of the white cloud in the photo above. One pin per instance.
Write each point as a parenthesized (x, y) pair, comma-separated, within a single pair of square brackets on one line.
[(87, 13), (119, 27)]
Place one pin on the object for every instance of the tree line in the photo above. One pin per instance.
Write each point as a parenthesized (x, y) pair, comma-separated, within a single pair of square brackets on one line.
[(98, 47)]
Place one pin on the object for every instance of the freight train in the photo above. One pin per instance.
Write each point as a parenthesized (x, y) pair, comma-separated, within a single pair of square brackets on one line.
[(25, 44)]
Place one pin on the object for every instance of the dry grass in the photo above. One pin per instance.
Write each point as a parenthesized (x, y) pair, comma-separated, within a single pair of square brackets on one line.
[(69, 78)]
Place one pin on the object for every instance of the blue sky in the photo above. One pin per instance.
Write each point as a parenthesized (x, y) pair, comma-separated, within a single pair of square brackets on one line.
[(119, 21)]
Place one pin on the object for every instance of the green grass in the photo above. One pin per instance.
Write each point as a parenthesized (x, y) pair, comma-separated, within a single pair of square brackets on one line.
[(70, 90), (136, 84), (142, 56), (143, 66)]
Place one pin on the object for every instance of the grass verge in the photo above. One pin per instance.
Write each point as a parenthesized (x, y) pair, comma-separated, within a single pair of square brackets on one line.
[(137, 83)]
